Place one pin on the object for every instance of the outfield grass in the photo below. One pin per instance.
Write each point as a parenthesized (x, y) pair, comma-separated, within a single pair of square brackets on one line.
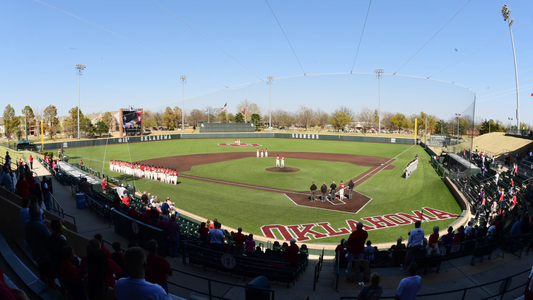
[(253, 171), (251, 209)]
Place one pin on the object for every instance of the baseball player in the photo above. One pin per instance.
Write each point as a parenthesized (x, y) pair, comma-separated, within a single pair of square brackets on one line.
[(262, 153), (324, 190), (313, 191), (350, 189), (266, 152), (277, 161), (341, 190), (257, 152), (282, 161), (333, 187)]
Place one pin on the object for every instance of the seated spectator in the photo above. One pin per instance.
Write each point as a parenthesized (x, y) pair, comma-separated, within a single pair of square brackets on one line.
[(276, 246), (369, 251), (118, 258), (216, 237), (96, 283), (132, 212), (70, 273), (173, 230), (204, 233), (157, 268), (434, 242), (291, 254), (135, 287), (250, 245), (239, 239), (460, 235), (284, 246), (303, 249), (372, 291), (341, 250)]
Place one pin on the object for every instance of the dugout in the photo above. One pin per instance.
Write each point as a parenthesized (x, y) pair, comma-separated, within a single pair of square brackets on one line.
[(454, 162), (226, 127)]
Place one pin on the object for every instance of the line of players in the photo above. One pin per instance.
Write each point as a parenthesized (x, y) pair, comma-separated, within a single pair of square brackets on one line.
[(143, 171)]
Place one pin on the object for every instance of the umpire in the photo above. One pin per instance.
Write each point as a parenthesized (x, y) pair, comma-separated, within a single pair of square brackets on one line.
[(324, 190), (333, 187), (350, 189), (313, 191)]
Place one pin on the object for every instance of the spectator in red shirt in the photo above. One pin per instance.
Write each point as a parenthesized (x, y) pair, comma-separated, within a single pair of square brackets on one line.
[(157, 268), (23, 187), (341, 250), (291, 254), (126, 201), (70, 273), (434, 241), (116, 202), (356, 244), (161, 224), (145, 217), (132, 213), (96, 283), (239, 239), (113, 268), (204, 233), (104, 185), (99, 238)]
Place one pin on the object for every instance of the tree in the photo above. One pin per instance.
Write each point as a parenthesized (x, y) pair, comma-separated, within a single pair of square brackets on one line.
[(440, 127), (195, 116), (366, 118), (306, 116), (339, 119), (169, 118), (177, 116), (222, 117), (11, 122), (28, 119), (321, 118), (231, 117), (108, 119), (348, 111), (87, 127), (401, 121), (256, 119), (251, 108), (101, 127), (50, 119), (239, 118)]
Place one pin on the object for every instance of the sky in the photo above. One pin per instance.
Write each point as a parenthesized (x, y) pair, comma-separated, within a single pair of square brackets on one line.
[(437, 56)]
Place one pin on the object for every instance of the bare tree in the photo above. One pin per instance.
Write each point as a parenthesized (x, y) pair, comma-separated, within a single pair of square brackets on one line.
[(348, 111), (251, 108), (306, 116), (321, 118), (366, 118)]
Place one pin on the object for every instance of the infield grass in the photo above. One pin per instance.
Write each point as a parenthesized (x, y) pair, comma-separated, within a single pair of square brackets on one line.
[(251, 209)]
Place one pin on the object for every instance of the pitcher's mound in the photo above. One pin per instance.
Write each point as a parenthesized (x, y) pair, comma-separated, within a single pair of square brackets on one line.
[(283, 170)]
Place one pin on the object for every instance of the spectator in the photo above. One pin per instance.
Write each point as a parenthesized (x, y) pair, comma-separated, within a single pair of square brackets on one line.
[(165, 206), (38, 193), (23, 187), (468, 229), (416, 237), (409, 286), (132, 213), (372, 291), (291, 254), (25, 211), (118, 258), (113, 269), (340, 252), (250, 245), (145, 217), (515, 230), (116, 202), (157, 268), (104, 185), (126, 201), (216, 237), (460, 235), (204, 233), (154, 214), (36, 235), (100, 239), (528, 293), (239, 239), (173, 231), (161, 224), (398, 252), (369, 251), (7, 293), (70, 273), (356, 244), (135, 287), (54, 244), (434, 242), (212, 225), (45, 188), (7, 181), (96, 283)]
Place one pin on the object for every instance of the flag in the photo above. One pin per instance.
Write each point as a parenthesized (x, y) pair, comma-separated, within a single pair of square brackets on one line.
[(244, 110), (225, 107), (531, 94), (207, 111)]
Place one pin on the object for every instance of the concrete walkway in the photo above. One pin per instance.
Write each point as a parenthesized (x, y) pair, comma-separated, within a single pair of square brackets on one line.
[(454, 274)]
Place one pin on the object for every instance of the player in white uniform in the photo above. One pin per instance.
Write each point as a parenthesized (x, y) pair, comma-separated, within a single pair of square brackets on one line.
[(262, 153), (257, 152), (283, 161), (266, 152), (277, 161)]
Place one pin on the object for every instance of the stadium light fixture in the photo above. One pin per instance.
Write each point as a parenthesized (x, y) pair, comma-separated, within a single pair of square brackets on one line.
[(183, 79), (457, 116), (80, 68), (506, 13), (379, 73), (270, 79)]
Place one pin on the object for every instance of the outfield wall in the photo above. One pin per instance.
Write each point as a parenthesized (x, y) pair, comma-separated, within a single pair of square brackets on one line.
[(166, 137)]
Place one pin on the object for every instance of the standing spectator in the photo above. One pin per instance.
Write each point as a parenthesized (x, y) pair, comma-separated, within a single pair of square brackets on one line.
[(204, 233), (216, 237), (468, 229), (416, 236), (173, 231), (96, 283), (7, 181), (118, 258), (116, 202), (372, 291), (100, 239), (369, 251), (340, 252), (38, 193), (132, 212), (161, 224), (46, 192), (135, 287), (291, 254), (25, 211), (36, 235), (250, 245), (356, 245), (31, 162), (113, 269), (54, 244), (154, 214), (324, 191), (398, 252), (70, 273), (23, 187), (409, 286), (239, 239), (157, 268)]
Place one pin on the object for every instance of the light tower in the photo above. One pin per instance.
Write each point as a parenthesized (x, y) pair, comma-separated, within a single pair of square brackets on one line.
[(270, 79), (183, 79), (80, 69), (506, 12), (379, 73)]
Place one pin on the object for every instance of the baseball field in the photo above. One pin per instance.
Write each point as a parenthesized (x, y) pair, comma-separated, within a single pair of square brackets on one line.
[(240, 190)]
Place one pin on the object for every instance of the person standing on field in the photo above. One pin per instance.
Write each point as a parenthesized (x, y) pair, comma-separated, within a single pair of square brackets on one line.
[(350, 189), (266, 152), (261, 152), (333, 187), (257, 152), (324, 190), (341, 190), (277, 161), (313, 191), (282, 161)]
